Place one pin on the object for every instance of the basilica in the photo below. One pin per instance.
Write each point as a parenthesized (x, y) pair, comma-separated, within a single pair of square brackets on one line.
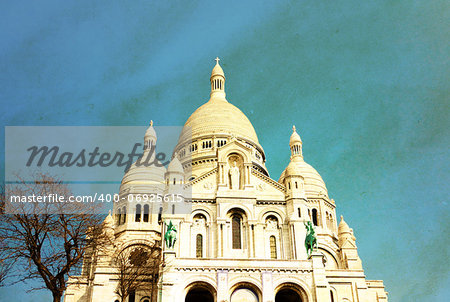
[(243, 236)]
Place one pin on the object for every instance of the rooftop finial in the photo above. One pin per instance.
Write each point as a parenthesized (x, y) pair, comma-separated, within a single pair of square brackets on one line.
[(293, 129), (217, 82), (151, 123)]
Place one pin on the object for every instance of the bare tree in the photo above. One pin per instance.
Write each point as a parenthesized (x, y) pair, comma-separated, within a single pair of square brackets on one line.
[(47, 241), (137, 270)]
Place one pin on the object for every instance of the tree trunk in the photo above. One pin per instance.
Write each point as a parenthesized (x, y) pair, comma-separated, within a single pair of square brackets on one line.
[(57, 297)]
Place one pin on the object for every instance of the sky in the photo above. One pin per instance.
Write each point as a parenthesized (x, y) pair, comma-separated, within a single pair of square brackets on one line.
[(365, 82)]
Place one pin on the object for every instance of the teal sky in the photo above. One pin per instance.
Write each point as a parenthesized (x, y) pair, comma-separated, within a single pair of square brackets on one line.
[(365, 82)]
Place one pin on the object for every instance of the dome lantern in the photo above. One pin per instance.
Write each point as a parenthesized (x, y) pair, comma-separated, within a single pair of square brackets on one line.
[(150, 137), (295, 143), (217, 82)]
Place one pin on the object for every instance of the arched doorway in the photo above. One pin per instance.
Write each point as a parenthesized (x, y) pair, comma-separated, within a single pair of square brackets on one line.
[(200, 292), (287, 295), (245, 292), (290, 292), (244, 295)]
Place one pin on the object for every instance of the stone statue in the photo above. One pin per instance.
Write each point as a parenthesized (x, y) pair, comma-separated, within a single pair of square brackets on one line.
[(310, 240), (170, 237), (234, 177)]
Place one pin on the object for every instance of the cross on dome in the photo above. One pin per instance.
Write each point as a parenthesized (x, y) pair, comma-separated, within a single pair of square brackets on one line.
[(217, 82)]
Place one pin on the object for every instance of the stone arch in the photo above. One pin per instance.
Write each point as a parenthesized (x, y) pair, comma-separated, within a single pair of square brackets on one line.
[(244, 208), (245, 284), (234, 149), (135, 242), (272, 211), (206, 212), (291, 292), (329, 252), (297, 283), (200, 291)]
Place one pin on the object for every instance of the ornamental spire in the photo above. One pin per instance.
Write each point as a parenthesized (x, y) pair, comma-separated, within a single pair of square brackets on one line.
[(295, 143), (217, 82)]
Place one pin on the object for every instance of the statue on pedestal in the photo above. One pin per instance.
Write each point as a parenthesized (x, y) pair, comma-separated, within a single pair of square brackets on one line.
[(234, 177), (170, 237), (310, 240)]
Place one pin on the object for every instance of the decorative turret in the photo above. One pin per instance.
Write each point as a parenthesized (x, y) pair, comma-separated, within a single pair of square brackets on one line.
[(217, 82), (295, 143), (174, 175), (150, 137), (308, 180), (347, 245), (108, 225), (294, 179)]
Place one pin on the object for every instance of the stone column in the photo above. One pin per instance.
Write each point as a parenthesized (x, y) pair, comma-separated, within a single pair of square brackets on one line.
[(259, 241), (168, 279), (267, 287), (222, 286), (319, 277), (251, 246)]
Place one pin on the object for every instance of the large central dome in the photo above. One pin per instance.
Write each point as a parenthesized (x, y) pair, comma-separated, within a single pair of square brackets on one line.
[(218, 116), (212, 126)]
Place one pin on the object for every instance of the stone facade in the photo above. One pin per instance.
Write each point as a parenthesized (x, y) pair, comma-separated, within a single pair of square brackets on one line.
[(244, 239)]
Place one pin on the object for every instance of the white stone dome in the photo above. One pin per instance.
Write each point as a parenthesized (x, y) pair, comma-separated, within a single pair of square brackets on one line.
[(175, 166), (143, 178), (218, 116), (314, 184), (343, 227)]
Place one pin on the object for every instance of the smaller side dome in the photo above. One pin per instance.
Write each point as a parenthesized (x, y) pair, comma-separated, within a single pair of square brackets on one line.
[(109, 221), (142, 177), (343, 227), (314, 184), (175, 166)]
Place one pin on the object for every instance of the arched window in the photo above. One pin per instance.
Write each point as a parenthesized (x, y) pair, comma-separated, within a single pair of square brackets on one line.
[(119, 216), (160, 215), (199, 246), (124, 215), (273, 247), (138, 213), (146, 210), (236, 231), (314, 217)]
